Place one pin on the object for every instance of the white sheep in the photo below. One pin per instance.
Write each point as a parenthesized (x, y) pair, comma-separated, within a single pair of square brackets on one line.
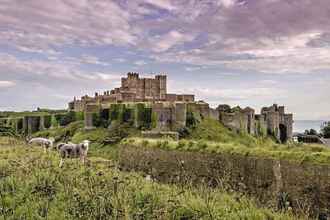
[(71, 150), (44, 142)]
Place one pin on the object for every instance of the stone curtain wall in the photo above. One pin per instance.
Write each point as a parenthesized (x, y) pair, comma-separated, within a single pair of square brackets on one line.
[(29, 124), (277, 184)]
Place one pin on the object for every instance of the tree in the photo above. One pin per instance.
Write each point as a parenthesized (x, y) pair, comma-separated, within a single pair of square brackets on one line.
[(326, 130), (311, 132)]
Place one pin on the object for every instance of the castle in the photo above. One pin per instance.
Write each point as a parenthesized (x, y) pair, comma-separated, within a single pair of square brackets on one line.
[(133, 89), (171, 112)]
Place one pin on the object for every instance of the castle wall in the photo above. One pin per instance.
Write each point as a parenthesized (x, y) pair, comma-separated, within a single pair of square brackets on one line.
[(180, 115), (91, 109), (214, 114), (164, 116)]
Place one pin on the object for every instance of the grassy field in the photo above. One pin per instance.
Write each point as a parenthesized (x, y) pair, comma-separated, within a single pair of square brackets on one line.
[(32, 186)]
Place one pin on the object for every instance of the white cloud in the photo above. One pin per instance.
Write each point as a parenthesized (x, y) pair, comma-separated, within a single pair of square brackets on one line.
[(64, 69), (119, 60), (140, 63), (93, 60), (237, 93), (7, 84), (163, 4), (162, 43), (36, 25), (228, 3), (194, 68)]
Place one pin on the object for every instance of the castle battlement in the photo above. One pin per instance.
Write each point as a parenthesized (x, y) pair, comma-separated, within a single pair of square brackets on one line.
[(134, 89)]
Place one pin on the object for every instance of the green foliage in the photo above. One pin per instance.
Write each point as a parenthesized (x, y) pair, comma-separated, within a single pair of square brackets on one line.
[(154, 119), (116, 112), (143, 116), (212, 130), (61, 133), (32, 186), (64, 119), (261, 130), (6, 131), (192, 119), (47, 121), (96, 119), (54, 122), (79, 116), (326, 131)]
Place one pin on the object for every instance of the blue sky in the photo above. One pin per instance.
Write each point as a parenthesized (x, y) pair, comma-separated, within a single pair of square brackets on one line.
[(240, 52)]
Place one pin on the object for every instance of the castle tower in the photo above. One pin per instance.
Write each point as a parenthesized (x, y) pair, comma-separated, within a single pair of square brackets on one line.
[(162, 80)]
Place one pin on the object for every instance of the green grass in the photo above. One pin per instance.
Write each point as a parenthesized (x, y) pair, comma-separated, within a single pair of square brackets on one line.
[(210, 129), (103, 141), (300, 153), (61, 133), (33, 187)]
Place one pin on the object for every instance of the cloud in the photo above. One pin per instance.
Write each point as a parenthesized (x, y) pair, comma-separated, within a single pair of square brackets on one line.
[(119, 60), (237, 93), (162, 43), (6, 84), (37, 25), (88, 59), (228, 3), (163, 4), (68, 70), (260, 35), (140, 63)]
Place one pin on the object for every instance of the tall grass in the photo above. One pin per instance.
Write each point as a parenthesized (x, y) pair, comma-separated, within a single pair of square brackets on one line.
[(33, 187)]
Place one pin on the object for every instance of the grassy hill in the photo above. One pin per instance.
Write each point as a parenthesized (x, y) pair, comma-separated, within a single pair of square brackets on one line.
[(32, 186)]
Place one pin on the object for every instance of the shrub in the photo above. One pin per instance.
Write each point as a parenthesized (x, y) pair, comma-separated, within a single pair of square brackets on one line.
[(326, 131), (47, 121)]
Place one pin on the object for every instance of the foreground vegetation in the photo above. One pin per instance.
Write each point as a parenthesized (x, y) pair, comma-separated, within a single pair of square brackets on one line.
[(33, 187)]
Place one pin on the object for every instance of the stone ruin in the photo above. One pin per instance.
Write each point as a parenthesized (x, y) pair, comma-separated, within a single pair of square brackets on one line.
[(271, 121)]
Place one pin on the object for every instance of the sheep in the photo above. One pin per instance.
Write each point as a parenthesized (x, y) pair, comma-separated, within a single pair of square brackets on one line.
[(71, 150), (44, 142)]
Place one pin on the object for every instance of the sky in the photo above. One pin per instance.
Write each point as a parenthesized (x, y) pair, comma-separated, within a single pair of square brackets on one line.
[(238, 52)]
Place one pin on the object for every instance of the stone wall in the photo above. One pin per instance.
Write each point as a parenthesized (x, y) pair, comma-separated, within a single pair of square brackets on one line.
[(90, 111), (274, 183)]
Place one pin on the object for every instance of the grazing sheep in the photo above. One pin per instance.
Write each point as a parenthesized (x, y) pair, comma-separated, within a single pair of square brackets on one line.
[(71, 150), (44, 142)]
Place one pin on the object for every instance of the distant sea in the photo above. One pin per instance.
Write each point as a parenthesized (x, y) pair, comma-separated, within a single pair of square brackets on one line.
[(302, 125)]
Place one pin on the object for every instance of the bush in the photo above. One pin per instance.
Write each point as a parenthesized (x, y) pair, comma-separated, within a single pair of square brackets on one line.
[(326, 131), (65, 119), (47, 121)]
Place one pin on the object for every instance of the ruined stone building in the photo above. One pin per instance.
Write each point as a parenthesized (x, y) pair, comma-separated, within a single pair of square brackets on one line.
[(170, 111), (133, 89), (272, 121)]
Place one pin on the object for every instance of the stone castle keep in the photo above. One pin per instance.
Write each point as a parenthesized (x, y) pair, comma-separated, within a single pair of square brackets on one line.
[(145, 103), (133, 89)]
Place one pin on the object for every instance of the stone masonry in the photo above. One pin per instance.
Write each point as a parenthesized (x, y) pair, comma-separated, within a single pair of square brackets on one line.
[(133, 89), (171, 109)]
